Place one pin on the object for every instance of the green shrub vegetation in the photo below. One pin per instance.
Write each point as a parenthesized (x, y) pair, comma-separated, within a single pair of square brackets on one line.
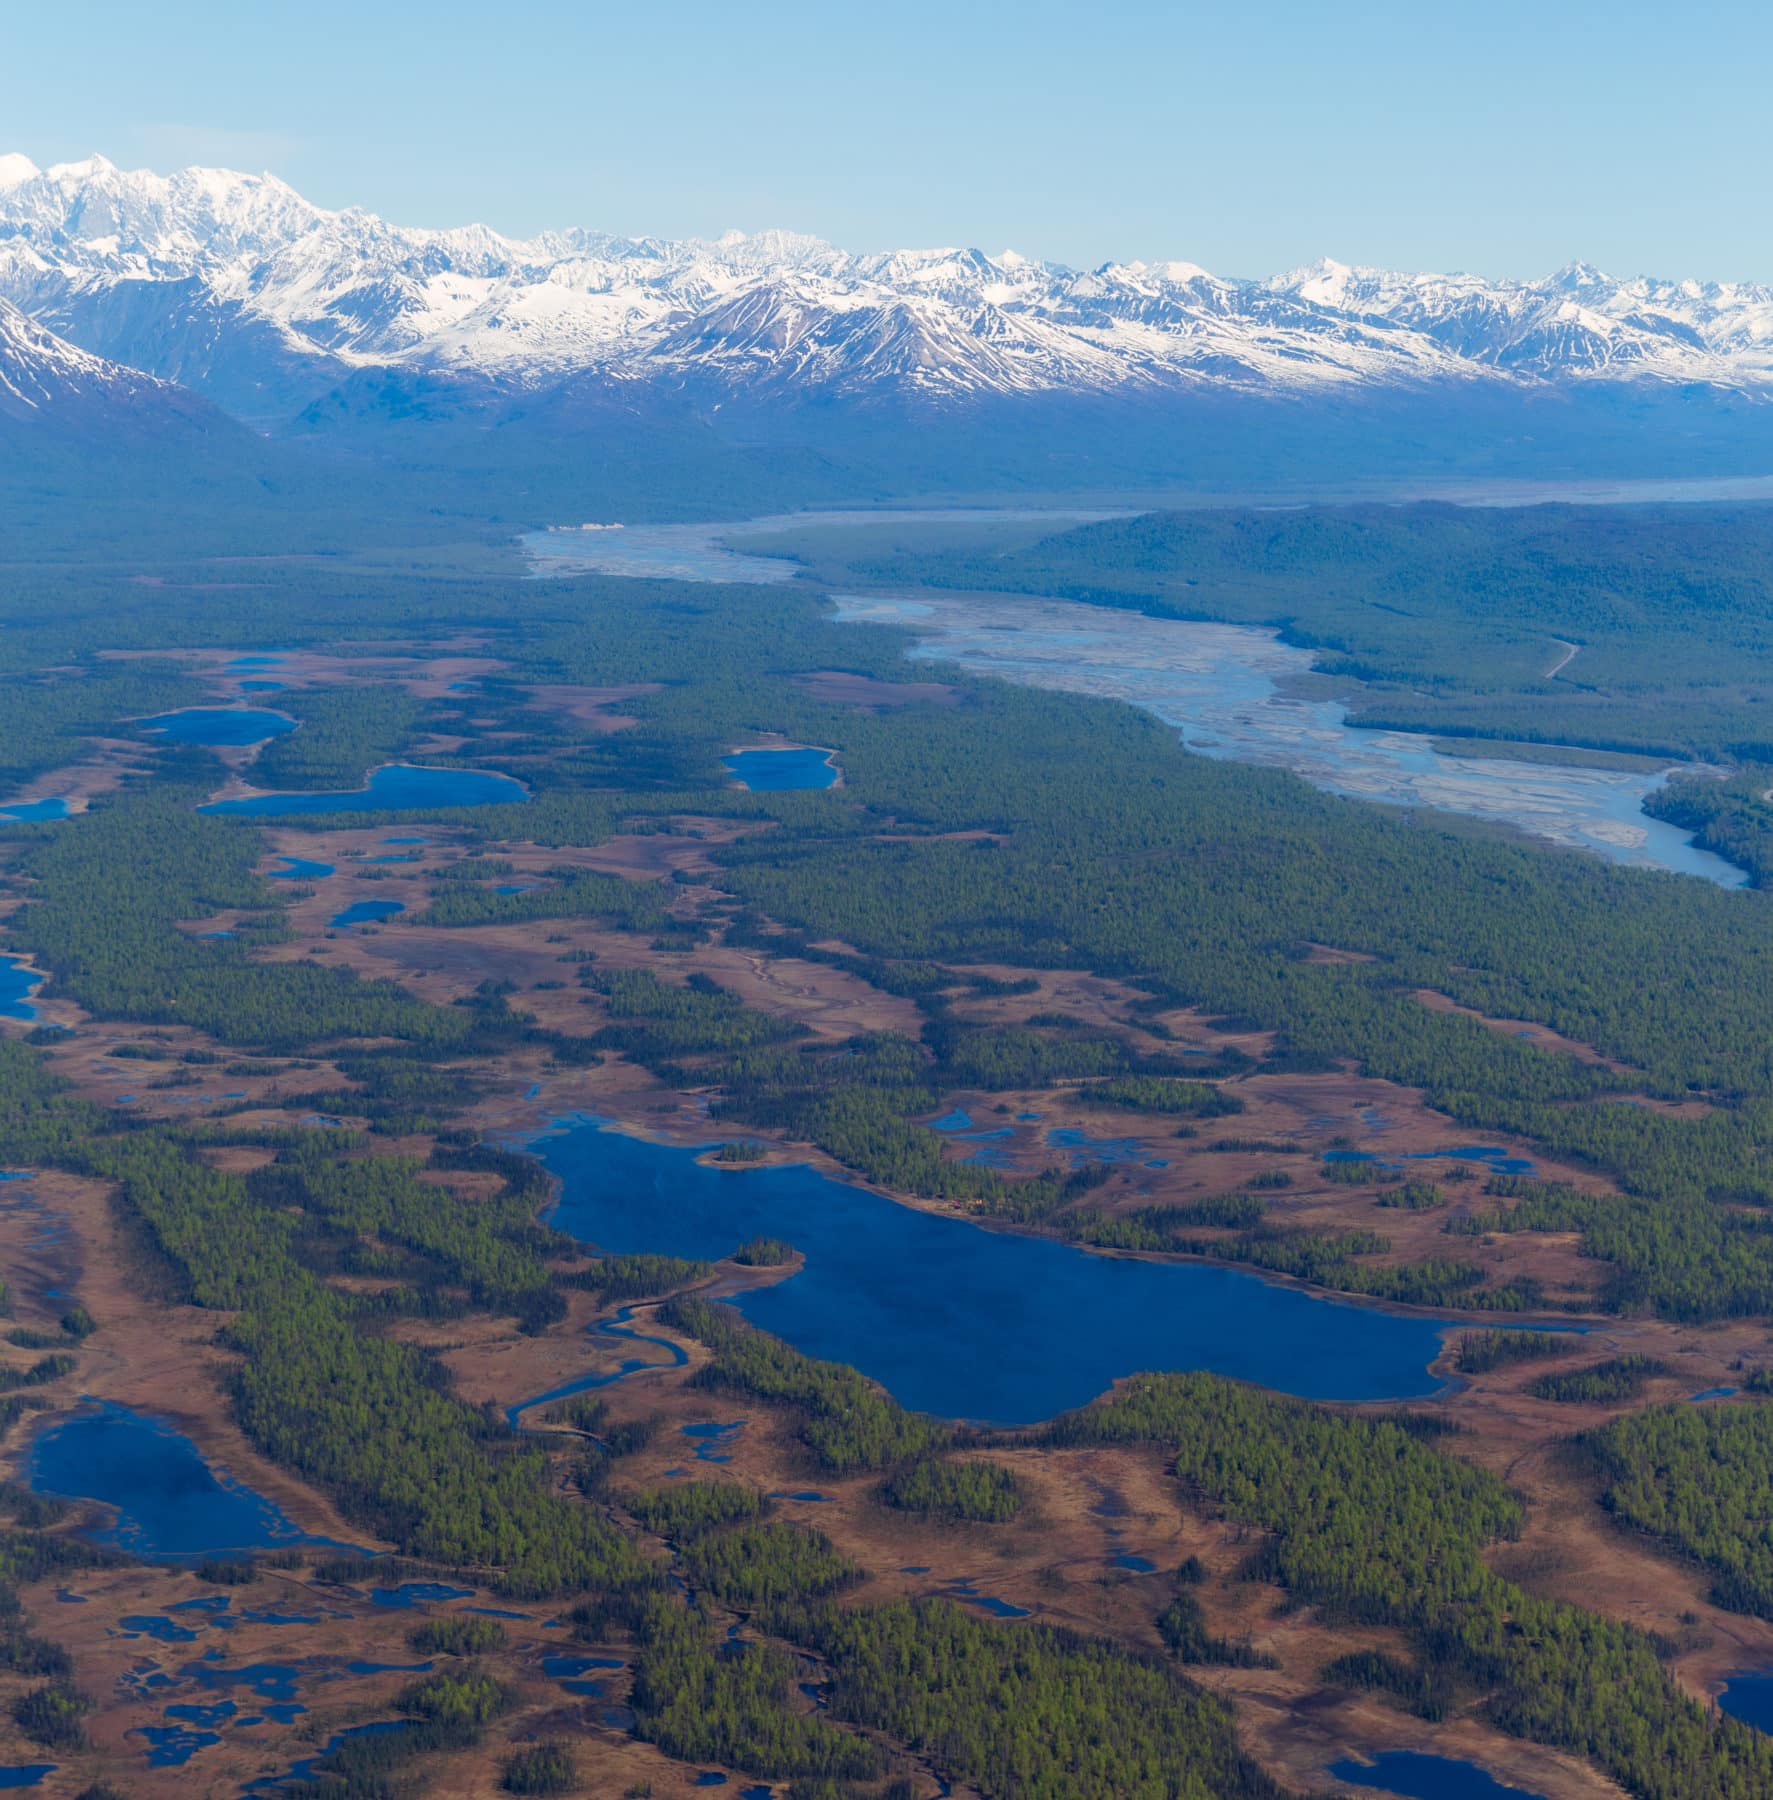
[(1700, 1479), (1373, 1526), (1601, 1384), (1482, 1351), (981, 1492)]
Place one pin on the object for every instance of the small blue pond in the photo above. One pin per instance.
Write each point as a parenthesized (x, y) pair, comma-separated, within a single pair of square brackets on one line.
[(776, 771), (21, 1775), (396, 787), (366, 912), (299, 868), (219, 725), (1421, 1777), (712, 1439), (964, 1322), (17, 984), (412, 1594), (25, 812), (968, 1593), (169, 1501), (1749, 1697)]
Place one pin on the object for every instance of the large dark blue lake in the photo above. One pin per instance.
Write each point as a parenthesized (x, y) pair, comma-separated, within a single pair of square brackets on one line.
[(219, 725), (1427, 1778), (169, 1502), (777, 771), (969, 1323), (395, 787)]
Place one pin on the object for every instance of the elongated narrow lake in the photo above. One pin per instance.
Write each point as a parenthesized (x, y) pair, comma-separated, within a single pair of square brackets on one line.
[(1420, 1777), (30, 812), (396, 787), (964, 1322), (219, 725), (17, 984)]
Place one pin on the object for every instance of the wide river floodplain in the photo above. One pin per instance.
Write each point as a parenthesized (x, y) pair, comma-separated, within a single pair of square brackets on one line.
[(1223, 687)]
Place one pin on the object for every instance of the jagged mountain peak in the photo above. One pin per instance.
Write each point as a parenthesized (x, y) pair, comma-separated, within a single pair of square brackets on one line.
[(47, 381)]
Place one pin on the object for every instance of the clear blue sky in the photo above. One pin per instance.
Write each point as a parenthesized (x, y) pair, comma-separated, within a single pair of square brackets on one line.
[(1247, 135)]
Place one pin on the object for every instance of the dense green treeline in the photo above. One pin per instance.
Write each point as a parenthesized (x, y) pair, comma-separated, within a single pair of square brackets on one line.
[(1372, 1525), (1029, 1710), (48, 714), (569, 894), (846, 1422), (1607, 1383), (342, 734), (105, 902), (709, 1703), (1482, 1351), (363, 1417), (1733, 818), (491, 1247), (1700, 1478), (766, 1562), (1158, 1094), (944, 1488)]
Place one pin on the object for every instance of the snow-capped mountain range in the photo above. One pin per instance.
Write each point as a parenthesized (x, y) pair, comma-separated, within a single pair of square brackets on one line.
[(46, 381), (237, 287)]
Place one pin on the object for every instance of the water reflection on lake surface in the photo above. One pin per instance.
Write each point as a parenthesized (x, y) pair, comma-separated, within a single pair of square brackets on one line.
[(1219, 685), (964, 1322), (771, 771), (169, 1502), (219, 725)]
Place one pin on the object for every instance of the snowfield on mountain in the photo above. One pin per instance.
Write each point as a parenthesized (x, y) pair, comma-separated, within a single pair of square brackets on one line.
[(238, 287)]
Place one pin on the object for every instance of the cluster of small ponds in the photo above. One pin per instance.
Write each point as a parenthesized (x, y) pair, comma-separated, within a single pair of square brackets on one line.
[(174, 1506), (952, 1319)]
